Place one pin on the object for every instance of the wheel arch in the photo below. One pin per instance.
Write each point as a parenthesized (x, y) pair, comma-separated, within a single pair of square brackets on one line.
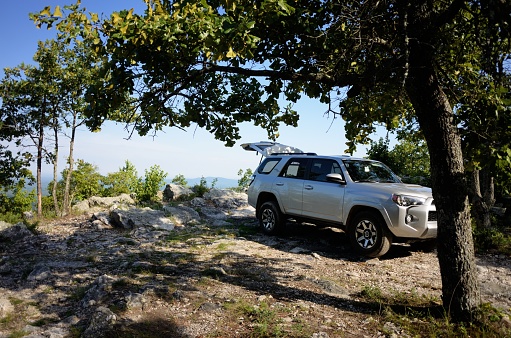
[(361, 208), (265, 197)]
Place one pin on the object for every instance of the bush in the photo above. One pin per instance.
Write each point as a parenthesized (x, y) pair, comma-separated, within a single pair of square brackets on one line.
[(154, 180), (492, 239), (14, 201), (202, 188), (180, 180), (244, 181), (124, 181)]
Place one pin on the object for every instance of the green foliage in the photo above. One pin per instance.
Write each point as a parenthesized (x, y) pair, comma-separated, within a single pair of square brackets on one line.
[(13, 167), (86, 181), (124, 181), (148, 188), (379, 151), (496, 239), (201, 188), (245, 179), (14, 200), (409, 159), (180, 180)]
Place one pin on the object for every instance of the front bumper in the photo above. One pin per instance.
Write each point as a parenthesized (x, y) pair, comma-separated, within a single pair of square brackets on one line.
[(418, 221)]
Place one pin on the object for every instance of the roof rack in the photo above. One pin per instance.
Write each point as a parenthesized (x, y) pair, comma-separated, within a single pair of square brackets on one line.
[(280, 154)]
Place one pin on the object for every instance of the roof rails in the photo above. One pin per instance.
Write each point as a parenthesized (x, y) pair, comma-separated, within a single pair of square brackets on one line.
[(280, 154)]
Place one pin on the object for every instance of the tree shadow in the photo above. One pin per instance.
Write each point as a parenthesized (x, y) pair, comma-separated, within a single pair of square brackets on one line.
[(328, 241), (138, 258)]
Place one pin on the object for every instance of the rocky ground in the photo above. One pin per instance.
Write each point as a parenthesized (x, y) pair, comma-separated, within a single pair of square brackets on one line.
[(213, 274)]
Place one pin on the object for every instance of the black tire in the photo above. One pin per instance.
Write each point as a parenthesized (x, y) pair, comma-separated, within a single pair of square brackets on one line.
[(270, 218), (369, 235)]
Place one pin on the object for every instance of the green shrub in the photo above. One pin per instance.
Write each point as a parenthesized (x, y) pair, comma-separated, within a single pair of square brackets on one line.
[(153, 181), (244, 181), (201, 188), (180, 180), (124, 181), (14, 201), (492, 240)]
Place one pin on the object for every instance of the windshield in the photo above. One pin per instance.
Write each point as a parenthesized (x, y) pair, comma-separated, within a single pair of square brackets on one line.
[(370, 171)]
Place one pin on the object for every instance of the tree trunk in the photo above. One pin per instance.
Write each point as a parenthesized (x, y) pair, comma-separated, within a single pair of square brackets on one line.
[(55, 168), (40, 149), (483, 197), (460, 290), (67, 202)]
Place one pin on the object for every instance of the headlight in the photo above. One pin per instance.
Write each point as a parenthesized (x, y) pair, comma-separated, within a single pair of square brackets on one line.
[(405, 201)]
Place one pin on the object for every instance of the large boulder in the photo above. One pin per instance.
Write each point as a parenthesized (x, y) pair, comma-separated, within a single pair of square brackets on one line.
[(174, 192), (226, 199), (144, 217), (15, 232), (96, 203), (182, 215)]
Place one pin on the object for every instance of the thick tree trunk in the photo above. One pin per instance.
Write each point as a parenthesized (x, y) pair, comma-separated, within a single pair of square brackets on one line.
[(460, 290)]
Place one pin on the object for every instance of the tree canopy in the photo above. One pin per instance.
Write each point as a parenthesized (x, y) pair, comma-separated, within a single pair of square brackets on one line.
[(217, 63)]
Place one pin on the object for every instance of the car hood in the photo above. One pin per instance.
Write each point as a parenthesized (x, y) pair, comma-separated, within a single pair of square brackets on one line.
[(401, 189), (266, 148)]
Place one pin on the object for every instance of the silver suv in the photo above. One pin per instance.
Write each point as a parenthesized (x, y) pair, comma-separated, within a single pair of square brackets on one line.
[(363, 197)]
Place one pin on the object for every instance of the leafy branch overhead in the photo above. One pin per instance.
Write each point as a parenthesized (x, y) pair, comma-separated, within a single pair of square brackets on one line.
[(221, 63)]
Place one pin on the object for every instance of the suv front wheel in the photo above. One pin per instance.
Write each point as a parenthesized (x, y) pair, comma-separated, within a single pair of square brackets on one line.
[(368, 235), (270, 218)]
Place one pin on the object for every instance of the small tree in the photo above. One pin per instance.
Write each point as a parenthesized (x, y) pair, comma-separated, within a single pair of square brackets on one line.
[(124, 181), (244, 181), (180, 180), (86, 181), (153, 181), (201, 188)]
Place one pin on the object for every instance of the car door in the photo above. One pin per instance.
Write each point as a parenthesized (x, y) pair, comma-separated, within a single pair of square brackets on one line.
[(288, 186), (321, 198)]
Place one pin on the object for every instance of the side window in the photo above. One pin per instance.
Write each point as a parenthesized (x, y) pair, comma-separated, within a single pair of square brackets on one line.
[(322, 167), (267, 166), (295, 168)]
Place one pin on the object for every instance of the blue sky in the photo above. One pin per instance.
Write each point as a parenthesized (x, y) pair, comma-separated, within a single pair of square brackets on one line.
[(193, 153)]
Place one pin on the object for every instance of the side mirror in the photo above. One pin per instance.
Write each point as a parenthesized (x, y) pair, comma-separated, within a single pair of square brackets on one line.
[(337, 178)]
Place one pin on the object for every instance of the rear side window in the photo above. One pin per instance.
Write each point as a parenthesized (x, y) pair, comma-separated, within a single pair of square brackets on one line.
[(267, 166), (295, 168)]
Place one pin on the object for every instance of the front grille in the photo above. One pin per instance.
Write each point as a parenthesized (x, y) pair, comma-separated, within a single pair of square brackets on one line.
[(432, 216)]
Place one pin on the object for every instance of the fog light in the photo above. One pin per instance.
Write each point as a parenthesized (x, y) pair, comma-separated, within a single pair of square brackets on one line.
[(408, 218)]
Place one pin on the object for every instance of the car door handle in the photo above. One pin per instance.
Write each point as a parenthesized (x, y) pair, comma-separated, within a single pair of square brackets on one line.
[(279, 184), (308, 187)]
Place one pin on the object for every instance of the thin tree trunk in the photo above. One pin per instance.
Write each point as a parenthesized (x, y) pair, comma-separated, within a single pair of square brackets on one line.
[(55, 169), (460, 290), (40, 144), (483, 197), (67, 202)]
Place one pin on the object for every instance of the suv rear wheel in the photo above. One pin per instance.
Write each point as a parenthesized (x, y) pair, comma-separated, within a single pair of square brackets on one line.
[(368, 234), (270, 218)]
